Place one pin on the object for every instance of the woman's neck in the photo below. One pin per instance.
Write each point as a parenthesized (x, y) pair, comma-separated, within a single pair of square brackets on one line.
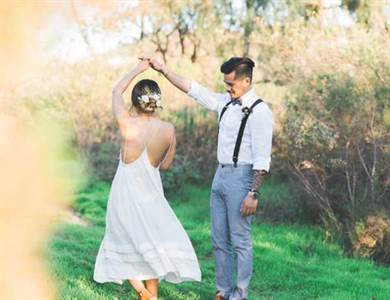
[(146, 116)]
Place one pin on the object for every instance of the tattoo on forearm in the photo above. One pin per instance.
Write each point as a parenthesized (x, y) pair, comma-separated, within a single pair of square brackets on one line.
[(258, 179)]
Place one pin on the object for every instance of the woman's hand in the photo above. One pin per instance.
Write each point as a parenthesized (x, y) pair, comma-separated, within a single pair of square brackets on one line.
[(154, 63), (143, 65), (122, 85)]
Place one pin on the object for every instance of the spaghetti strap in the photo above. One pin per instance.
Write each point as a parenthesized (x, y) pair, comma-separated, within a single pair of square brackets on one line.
[(120, 151), (169, 148), (122, 154)]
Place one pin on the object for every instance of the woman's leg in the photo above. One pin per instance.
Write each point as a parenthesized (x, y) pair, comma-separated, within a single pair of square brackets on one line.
[(152, 286), (143, 292), (136, 284)]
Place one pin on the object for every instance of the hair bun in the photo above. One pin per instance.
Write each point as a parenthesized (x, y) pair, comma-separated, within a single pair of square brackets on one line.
[(146, 96)]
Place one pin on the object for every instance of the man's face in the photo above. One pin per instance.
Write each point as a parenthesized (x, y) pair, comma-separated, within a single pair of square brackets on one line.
[(236, 87)]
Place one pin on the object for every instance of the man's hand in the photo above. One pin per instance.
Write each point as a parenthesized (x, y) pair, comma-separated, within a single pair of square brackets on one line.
[(156, 65), (249, 206), (178, 81)]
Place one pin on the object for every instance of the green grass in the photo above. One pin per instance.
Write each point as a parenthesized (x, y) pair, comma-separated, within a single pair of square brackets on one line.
[(291, 261)]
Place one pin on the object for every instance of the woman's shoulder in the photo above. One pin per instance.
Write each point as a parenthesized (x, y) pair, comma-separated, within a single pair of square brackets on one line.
[(135, 127), (166, 126)]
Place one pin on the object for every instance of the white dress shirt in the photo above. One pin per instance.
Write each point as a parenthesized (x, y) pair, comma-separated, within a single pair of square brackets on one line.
[(256, 142)]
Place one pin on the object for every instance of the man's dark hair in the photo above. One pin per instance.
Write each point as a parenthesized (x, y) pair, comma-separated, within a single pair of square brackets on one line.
[(144, 87), (242, 65)]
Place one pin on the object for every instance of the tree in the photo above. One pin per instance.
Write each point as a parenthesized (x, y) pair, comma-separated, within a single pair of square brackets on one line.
[(253, 9)]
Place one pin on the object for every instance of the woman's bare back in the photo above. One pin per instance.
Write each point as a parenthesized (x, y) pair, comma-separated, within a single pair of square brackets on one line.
[(156, 135)]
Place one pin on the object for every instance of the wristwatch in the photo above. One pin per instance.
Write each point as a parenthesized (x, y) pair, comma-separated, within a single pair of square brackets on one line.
[(254, 194)]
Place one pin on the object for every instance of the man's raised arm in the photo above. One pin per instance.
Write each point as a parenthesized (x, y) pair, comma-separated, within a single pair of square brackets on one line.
[(178, 81), (202, 95)]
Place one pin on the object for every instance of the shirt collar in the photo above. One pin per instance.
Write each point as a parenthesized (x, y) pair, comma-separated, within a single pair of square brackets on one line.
[(248, 98)]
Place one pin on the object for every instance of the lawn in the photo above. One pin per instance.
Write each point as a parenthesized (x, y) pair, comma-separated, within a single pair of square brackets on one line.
[(291, 261)]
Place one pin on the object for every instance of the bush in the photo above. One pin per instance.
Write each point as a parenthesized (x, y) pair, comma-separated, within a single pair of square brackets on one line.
[(374, 240), (335, 137), (281, 201)]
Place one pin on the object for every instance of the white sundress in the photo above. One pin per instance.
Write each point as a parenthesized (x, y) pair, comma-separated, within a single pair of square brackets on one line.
[(143, 238)]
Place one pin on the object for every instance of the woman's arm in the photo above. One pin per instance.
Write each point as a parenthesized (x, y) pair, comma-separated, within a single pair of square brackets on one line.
[(118, 107)]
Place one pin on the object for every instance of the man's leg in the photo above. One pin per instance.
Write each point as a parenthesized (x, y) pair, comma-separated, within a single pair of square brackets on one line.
[(220, 237), (238, 186)]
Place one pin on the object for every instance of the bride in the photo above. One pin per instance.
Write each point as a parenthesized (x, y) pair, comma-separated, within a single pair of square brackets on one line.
[(144, 241)]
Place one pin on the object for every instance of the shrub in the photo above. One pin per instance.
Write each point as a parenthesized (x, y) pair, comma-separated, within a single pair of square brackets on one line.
[(336, 140), (374, 240)]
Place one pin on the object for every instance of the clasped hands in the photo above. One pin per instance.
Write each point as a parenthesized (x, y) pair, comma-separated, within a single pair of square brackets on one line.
[(147, 61)]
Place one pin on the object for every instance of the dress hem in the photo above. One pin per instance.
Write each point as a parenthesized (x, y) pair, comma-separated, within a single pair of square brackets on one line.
[(148, 277)]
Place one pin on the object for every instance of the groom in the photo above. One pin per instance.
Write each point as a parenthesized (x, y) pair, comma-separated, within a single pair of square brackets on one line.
[(244, 155)]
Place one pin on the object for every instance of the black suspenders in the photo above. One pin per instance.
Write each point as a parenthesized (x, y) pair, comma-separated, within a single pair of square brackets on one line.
[(224, 109), (247, 111)]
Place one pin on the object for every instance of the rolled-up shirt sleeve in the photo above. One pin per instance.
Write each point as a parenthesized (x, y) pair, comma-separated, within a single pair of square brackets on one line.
[(261, 126), (205, 97)]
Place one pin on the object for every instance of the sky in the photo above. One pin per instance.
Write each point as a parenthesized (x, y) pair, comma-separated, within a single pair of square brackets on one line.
[(60, 37)]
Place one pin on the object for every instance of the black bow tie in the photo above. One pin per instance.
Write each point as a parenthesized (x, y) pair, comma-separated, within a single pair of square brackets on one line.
[(236, 101)]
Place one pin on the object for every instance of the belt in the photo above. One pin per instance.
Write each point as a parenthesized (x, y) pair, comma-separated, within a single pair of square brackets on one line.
[(232, 165)]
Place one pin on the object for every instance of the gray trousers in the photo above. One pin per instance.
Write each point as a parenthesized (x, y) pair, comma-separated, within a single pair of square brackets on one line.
[(231, 233)]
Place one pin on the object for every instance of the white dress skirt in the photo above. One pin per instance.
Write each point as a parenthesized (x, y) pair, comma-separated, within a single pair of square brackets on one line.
[(143, 238)]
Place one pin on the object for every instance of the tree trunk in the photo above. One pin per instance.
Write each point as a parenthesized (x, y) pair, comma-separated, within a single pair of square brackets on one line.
[(142, 33)]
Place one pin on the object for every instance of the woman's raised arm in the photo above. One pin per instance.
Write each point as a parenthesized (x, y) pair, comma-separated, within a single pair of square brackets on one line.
[(118, 107)]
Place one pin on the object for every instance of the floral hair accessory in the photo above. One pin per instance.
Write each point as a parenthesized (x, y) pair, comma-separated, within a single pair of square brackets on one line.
[(153, 98), (144, 98)]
